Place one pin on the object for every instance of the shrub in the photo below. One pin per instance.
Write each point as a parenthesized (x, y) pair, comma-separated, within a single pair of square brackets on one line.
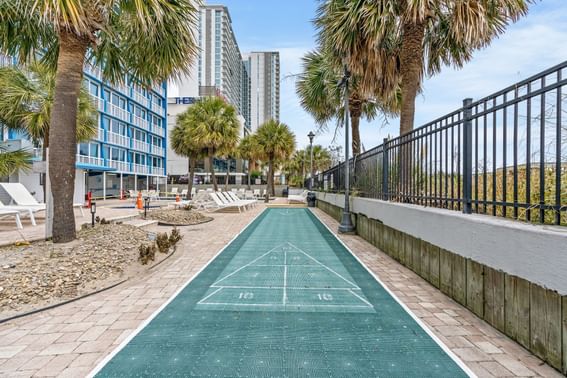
[(163, 242), (147, 253), (175, 236)]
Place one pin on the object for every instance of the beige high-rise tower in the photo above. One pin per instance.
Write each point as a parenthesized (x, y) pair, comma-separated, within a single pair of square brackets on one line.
[(264, 71)]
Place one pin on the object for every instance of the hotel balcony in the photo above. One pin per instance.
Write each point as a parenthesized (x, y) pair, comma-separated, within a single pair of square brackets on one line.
[(144, 169), (91, 160), (140, 146), (99, 102), (156, 108), (118, 112), (93, 71), (140, 122), (157, 150), (121, 166), (141, 99), (118, 139)]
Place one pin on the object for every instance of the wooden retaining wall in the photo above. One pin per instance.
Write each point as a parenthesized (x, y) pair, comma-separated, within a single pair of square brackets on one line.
[(532, 315)]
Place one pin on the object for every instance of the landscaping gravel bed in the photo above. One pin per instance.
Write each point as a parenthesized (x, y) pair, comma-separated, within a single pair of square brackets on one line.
[(43, 273), (180, 217)]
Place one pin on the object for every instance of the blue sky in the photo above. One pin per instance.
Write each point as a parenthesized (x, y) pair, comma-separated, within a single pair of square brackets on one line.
[(533, 44)]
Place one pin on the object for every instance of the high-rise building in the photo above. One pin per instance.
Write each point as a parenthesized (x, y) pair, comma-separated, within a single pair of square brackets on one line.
[(218, 72), (129, 150), (264, 71)]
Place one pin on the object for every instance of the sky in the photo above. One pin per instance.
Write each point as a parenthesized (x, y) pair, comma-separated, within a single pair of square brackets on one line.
[(536, 42)]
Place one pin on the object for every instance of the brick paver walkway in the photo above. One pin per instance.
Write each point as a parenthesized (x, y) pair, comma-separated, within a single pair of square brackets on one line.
[(70, 340)]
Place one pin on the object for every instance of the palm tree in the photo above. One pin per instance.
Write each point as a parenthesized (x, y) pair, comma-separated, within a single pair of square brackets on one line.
[(117, 35), (394, 43), (12, 161), (27, 101), (277, 143), (321, 158), (248, 150), (322, 96), (183, 142), (216, 128)]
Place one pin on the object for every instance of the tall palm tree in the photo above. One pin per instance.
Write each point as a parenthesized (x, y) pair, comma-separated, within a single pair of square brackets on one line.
[(321, 95), (27, 101), (216, 128), (321, 158), (117, 35), (277, 143), (184, 143), (248, 150), (12, 161), (395, 43)]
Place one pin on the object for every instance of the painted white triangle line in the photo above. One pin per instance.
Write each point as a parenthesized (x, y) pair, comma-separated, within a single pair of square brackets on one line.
[(324, 266), (250, 263)]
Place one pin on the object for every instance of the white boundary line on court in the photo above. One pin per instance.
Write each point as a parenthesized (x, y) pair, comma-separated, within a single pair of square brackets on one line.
[(427, 330), (143, 325)]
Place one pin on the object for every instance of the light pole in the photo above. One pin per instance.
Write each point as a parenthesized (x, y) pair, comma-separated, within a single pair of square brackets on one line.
[(311, 136), (346, 225)]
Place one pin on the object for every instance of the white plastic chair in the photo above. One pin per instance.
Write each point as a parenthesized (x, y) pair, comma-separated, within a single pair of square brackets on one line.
[(21, 196)]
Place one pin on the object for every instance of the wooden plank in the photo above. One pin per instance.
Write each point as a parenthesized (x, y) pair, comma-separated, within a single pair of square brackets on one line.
[(459, 292), (494, 298), (545, 325), (423, 248), (446, 272), (564, 332), (517, 309), (475, 287), (434, 263)]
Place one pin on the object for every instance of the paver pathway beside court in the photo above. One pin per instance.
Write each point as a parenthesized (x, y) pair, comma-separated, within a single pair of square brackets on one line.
[(284, 299)]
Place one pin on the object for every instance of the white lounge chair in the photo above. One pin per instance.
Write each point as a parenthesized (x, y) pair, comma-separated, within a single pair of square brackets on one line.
[(249, 203), (21, 196), (12, 213), (220, 204), (184, 193), (301, 198), (257, 193), (22, 210), (231, 198)]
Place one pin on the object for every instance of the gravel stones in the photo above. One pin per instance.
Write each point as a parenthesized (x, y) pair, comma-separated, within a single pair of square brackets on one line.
[(180, 217), (43, 271)]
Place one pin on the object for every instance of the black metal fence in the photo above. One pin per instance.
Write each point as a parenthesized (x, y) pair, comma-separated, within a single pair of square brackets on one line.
[(504, 155)]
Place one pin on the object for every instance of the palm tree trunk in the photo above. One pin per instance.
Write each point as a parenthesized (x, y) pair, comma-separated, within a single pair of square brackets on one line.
[(270, 183), (191, 176), (212, 170), (63, 131), (44, 158), (249, 170), (411, 68), (355, 110)]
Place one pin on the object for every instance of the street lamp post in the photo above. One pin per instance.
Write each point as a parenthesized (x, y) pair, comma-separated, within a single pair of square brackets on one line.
[(346, 225), (311, 136)]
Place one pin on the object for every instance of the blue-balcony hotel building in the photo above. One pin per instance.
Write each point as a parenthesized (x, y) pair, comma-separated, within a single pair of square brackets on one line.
[(129, 151)]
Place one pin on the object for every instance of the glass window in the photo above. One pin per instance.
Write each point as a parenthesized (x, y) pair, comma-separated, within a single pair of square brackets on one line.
[(94, 149), (115, 154), (93, 88), (122, 103), (107, 95), (84, 149)]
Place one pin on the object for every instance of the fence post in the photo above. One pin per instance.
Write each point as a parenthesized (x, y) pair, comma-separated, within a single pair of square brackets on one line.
[(467, 155), (385, 191)]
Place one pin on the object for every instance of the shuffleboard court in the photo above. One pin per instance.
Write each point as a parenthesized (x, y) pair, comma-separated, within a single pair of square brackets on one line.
[(283, 299)]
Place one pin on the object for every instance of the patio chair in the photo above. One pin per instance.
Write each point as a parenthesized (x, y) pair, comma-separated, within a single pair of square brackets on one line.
[(248, 195), (21, 196), (257, 193), (249, 203), (184, 193), (301, 198), (12, 213), (219, 204), (227, 198), (22, 210)]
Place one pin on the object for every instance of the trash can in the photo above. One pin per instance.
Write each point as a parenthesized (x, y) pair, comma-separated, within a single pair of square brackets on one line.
[(285, 192), (311, 199)]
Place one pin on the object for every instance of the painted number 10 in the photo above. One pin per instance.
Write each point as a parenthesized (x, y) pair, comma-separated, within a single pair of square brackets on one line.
[(246, 295), (325, 297)]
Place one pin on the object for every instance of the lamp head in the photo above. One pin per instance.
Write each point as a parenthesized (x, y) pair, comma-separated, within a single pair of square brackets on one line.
[(93, 207), (311, 136)]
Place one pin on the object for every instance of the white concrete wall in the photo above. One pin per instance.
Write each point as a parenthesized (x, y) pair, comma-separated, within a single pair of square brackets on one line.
[(533, 252)]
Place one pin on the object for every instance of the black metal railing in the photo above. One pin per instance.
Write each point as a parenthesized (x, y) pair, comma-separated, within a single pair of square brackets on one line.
[(504, 155)]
